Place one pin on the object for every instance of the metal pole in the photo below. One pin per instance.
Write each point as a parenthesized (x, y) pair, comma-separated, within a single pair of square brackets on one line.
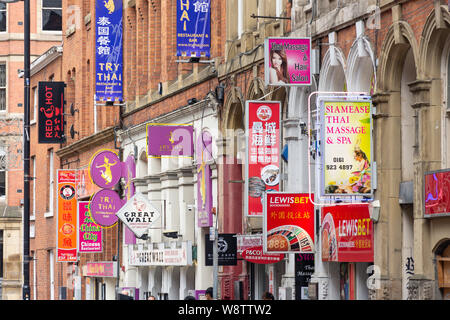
[(26, 155), (215, 261)]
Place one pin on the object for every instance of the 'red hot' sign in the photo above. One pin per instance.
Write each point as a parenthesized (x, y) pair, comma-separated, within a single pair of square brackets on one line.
[(51, 112)]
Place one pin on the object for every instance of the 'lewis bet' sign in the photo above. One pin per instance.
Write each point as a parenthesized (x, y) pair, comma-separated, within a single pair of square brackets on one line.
[(138, 214)]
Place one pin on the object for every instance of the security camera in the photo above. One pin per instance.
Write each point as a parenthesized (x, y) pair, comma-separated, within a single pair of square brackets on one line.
[(170, 234)]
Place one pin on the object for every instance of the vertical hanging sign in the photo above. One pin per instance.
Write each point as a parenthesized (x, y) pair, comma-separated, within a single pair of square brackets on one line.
[(193, 28), (204, 181), (108, 50), (51, 112), (262, 172), (67, 216)]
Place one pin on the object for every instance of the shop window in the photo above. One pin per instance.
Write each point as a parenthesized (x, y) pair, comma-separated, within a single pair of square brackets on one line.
[(2, 87), (51, 15), (1, 254), (2, 17), (443, 266)]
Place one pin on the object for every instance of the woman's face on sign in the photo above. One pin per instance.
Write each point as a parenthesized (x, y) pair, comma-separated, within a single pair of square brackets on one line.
[(276, 60)]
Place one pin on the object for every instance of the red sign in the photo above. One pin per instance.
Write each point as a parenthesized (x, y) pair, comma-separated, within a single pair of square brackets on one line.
[(289, 223), (67, 217), (347, 233), (437, 197), (263, 153), (256, 255)]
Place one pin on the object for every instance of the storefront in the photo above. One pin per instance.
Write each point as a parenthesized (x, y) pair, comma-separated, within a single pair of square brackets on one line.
[(100, 280)]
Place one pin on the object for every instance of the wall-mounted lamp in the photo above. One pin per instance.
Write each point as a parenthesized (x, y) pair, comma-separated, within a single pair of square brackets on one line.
[(374, 210), (220, 93), (73, 132)]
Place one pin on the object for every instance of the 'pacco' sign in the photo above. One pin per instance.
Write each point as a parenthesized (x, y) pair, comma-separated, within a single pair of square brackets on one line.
[(256, 255)]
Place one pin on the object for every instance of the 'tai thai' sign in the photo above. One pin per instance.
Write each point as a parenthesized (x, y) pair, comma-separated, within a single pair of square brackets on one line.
[(167, 140)]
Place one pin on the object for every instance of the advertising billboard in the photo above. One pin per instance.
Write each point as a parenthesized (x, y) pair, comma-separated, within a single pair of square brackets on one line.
[(287, 61), (169, 140), (347, 148), (262, 165), (289, 223), (347, 233)]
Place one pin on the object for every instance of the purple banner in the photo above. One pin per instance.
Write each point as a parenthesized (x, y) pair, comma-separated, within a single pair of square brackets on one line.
[(105, 169), (89, 234), (104, 205), (128, 173), (204, 181), (170, 140)]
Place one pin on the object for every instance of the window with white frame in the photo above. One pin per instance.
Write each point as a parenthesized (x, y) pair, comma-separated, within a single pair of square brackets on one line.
[(35, 104), (2, 17), (33, 181), (2, 86), (51, 15)]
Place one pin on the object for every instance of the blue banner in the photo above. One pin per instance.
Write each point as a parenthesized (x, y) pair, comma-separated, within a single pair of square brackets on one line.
[(193, 28), (108, 50)]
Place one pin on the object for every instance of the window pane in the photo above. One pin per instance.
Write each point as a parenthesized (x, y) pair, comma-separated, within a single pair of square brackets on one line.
[(51, 20), (2, 75), (2, 183), (2, 6), (2, 99), (2, 21), (51, 3)]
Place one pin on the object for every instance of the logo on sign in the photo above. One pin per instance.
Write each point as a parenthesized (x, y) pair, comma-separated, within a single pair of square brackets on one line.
[(67, 192), (264, 113)]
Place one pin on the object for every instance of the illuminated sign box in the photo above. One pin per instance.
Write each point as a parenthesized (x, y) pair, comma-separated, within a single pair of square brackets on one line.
[(436, 193)]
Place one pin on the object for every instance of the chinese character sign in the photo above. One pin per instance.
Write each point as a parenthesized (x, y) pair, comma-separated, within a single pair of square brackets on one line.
[(108, 47), (288, 224), (263, 153), (89, 234), (51, 112), (287, 61), (347, 141), (169, 140), (67, 216), (347, 233), (193, 28)]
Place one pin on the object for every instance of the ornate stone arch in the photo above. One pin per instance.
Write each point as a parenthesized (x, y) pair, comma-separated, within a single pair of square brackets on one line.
[(234, 109), (361, 66), (256, 89), (435, 35), (333, 70), (399, 39)]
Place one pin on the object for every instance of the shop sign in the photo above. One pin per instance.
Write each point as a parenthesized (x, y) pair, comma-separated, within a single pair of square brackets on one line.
[(262, 165), (256, 255), (129, 173), (162, 257), (138, 214), (347, 148), (347, 233), (89, 233), (166, 140), (226, 250), (104, 205), (204, 180), (288, 223), (287, 61), (67, 217), (51, 112), (436, 186), (101, 269), (245, 241), (105, 169), (193, 28), (304, 268), (108, 50)]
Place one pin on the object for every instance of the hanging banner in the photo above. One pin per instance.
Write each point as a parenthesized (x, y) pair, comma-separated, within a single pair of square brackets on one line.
[(138, 214), (347, 148), (108, 50), (89, 234), (104, 205), (262, 165), (105, 169), (51, 112), (289, 223), (436, 186), (347, 233), (287, 61), (193, 28), (204, 180), (129, 173), (170, 140), (67, 217)]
